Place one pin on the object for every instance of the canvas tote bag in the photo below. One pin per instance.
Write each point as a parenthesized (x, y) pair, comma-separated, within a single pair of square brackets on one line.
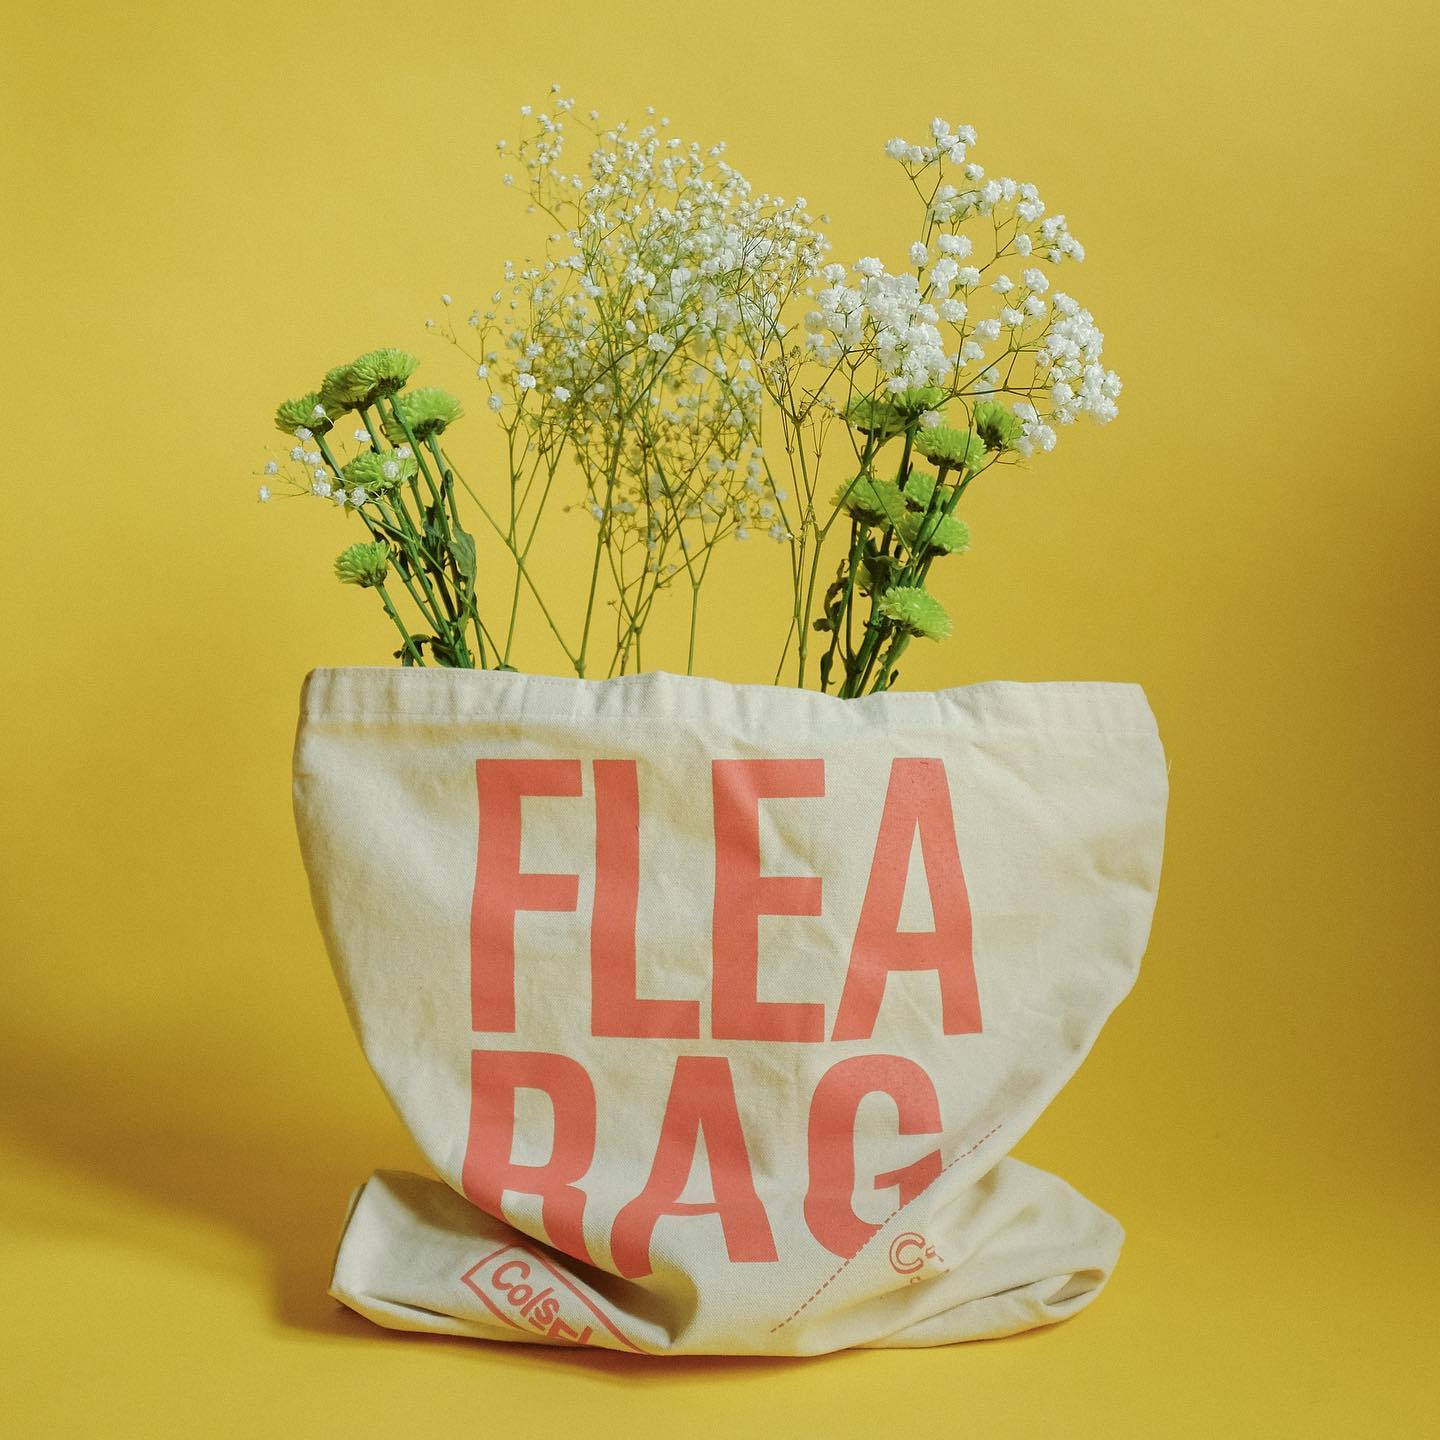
[(717, 1008)]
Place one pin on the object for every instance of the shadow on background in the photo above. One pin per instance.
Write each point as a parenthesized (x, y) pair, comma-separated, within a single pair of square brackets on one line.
[(127, 1149)]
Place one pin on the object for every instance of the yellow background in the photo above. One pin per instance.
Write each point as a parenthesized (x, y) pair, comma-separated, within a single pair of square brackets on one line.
[(206, 205)]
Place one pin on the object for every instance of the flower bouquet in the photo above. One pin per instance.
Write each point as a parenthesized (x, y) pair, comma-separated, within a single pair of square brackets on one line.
[(717, 1008)]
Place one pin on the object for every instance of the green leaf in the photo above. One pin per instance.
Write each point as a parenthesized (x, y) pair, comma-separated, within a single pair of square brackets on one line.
[(462, 547), (434, 529), (404, 655)]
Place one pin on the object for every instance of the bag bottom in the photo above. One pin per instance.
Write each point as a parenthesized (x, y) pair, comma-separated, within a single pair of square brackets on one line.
[(1017, 1249)]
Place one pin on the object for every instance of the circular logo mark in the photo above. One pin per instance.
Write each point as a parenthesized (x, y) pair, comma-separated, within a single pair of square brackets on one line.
[(908, 1253)]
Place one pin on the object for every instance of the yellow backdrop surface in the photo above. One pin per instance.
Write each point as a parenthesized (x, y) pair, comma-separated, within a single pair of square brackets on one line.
[(207, 205)]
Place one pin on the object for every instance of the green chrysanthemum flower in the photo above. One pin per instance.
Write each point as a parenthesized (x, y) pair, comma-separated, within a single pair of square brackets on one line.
[(920, 488), (947, 446), (997, 427), (365, 565), (871, 416), (342, 389), (300, 413), (362, 382), (385, 371), (871, 500), (427, 412), (915, 611), (917, 400), (376, 471), (885, 415), (943, 532)]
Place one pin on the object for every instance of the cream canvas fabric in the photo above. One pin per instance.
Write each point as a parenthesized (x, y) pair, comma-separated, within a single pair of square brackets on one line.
[(717, 1009)]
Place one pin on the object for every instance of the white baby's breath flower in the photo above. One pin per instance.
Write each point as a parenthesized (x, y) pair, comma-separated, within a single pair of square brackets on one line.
[(264, 493), (944, 272)]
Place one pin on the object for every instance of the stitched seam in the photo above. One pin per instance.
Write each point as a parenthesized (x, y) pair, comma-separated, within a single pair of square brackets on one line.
[(841, 1268), (518, 718)]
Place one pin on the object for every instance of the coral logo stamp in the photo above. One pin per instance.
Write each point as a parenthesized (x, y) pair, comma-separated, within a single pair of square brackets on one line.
[(911, 1254), (525, 1291)]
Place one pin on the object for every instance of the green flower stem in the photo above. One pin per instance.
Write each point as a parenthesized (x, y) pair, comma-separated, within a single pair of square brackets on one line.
[(330, 459), (595, 574), (449, 475), (876, 626), (524, 571), (821, 533), (439, 494), (382, 528), (886, 677), (409, 643), (393, 531), (419, 563), (446, 486), (694, 621), (918, 571), (919, 566), (379, 447), (515, 506), (935, 512), (857, 540), (612, 464), (522, 555), (364, 415), (398, 416), (431, 566)]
